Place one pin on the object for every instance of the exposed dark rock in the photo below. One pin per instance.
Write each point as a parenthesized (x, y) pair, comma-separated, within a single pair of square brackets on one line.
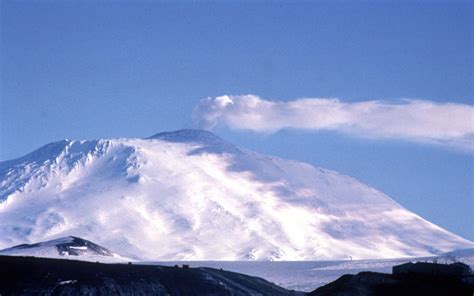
[(42, 276), (457, 269)]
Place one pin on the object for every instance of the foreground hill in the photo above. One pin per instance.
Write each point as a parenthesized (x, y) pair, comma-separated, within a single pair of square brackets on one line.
[(40, 276), (189, 195)]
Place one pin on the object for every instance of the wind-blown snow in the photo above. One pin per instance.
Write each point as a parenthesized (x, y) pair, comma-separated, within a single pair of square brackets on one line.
[(189, 195)]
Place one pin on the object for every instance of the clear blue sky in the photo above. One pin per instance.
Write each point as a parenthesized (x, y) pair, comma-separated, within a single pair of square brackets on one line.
[(95, 69)]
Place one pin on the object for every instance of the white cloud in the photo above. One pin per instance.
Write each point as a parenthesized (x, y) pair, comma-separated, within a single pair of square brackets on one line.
[(424, 121)]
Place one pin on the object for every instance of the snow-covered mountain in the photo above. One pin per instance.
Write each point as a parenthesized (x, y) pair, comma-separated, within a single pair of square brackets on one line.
[(189, 195), (69, 247)]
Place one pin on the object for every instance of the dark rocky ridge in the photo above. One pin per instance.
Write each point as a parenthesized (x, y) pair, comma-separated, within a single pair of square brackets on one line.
[(42, 276), (375, 284)]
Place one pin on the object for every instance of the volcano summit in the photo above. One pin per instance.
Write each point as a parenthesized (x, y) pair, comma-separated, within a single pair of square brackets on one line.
[(189, 195)]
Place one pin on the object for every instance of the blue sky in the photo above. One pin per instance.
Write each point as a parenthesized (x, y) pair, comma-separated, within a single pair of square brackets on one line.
[(86, 70)]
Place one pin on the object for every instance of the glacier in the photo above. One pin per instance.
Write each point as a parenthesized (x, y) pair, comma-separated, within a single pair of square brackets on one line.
[(190, 195)]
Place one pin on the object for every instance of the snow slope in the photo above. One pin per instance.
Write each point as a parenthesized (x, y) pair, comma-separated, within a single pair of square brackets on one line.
[(69, 247), (189, 195)]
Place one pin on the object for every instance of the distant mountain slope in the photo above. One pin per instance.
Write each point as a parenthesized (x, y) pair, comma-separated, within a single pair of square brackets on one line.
[(189, 195), (70, 247)]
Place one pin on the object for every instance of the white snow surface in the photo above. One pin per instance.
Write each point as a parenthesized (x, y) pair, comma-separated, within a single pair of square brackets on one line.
[(189, 195)]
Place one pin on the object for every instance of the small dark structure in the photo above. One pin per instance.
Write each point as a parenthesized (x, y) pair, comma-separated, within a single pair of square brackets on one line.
[(185, 266), (457, 269)]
